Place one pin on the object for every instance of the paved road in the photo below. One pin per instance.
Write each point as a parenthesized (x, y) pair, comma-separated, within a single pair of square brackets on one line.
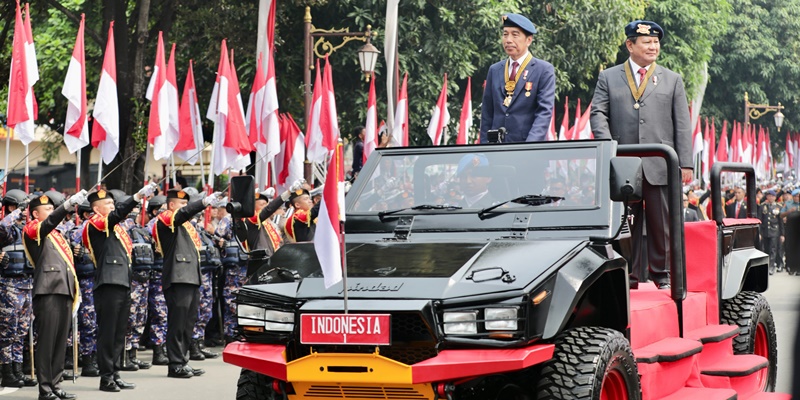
[(219, 382)]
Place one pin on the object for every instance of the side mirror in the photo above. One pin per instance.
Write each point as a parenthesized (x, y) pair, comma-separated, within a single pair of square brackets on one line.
[(626, 179), (243, 201)]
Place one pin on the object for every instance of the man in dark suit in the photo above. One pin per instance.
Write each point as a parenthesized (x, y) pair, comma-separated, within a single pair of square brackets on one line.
[(641, 102), (738, 207), (55, 289), (178, 241), (110, 247), (520, 91)]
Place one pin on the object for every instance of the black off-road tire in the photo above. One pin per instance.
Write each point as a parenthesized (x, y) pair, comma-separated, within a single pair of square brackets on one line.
[(583, 358), (254, 386), (748, 310)]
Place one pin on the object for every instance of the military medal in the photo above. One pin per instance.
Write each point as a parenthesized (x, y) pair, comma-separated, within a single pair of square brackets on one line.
[(528, 86), (511, 83), (638, 92)]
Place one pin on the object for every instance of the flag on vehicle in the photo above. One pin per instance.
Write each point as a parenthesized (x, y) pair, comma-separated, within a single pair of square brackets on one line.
[(20, 113), (76, 127), (105, 131), (328, 238), (316, 152), (440, 116), (371, 127), (465, 122), (400, 128), (191, 126), (158, 125)]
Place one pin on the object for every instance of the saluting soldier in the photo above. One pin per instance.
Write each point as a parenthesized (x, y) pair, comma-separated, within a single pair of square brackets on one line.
[(111, 249), (263, 237), (55, 290), (178, 241), (771, 229), (300, 227), (87, 317), (156, 305)]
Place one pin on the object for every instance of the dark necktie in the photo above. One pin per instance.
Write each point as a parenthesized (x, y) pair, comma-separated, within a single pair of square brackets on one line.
[(642, 73), (514, 67)]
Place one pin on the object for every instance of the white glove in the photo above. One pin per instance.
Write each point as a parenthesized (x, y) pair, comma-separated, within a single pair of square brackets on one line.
[(76, 199), (146, 191), (298, 184), (11, 217), (210, 199), (270, 192)]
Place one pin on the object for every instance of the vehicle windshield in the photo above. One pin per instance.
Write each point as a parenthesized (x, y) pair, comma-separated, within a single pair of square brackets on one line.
[(474, 180)]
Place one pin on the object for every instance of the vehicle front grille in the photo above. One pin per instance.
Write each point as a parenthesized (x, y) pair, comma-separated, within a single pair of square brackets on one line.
[(363, 392), (412, 341)]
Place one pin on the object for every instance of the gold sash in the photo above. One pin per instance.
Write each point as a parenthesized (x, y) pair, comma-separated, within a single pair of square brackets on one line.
[(638, 92), (512, 83)]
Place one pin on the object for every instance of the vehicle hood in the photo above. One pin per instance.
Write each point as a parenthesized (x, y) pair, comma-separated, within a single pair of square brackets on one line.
[(424, 270)]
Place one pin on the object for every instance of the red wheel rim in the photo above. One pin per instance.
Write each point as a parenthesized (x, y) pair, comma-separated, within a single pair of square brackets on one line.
[(614, 387), (761, 348)]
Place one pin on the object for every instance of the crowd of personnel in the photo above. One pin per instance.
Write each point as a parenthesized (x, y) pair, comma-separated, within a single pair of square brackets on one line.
[(777, 207), (162, 277)]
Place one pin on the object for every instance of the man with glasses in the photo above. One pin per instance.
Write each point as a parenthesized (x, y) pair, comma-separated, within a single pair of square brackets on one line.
[(689, 215)]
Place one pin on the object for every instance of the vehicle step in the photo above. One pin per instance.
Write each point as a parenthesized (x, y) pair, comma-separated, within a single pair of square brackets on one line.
[(736, 366), (702, 393), (648, 306), (668, 350), (713, 333), (769, 396)]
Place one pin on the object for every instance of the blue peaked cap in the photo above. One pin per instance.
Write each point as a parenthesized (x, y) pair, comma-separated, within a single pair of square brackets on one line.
[(518, 21)]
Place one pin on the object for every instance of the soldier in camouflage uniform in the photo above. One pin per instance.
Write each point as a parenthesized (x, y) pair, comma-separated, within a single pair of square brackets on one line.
[(156, 304), (209, 263), (87, 318), (16, 283), (142, 265), (235, 270)]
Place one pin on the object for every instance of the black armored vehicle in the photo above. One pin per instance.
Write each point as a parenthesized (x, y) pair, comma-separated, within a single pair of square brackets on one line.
[(501, 272)]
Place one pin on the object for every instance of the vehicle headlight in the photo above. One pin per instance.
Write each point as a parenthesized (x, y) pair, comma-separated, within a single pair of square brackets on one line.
[(279, 321), (501, 319), (460, 323), (250, 315)]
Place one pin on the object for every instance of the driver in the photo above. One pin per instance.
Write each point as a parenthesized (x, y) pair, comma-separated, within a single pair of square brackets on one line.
[(474, 177)]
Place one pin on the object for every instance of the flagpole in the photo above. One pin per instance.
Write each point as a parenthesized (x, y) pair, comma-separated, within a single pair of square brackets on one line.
[(202, 171), (99, 170), (339, 165), (143, 212), (174, 175), (27, 171)]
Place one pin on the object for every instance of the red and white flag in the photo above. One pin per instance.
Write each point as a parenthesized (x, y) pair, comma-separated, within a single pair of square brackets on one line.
[(722, 147), (789, 152), (583, 130), (20, 112), (329, 118), (400, 128), (291, 168), (564, 131), (465, 122), (271, 128), (158, 126), (171, 86), (440, 116), (697, 141), (328, 240), (747, 145), (316, 152), (231, 144), (191, 126), (31, 63), (552, 135), (76, 127), (255, 107), (105, 131), (371, 127)]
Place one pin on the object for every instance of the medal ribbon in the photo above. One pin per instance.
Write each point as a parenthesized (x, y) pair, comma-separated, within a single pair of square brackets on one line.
[(638, 92)]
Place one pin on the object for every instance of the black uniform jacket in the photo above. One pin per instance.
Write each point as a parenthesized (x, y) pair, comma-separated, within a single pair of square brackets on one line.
[(261, 235), (178, 241), (110, 246), (51, 255)]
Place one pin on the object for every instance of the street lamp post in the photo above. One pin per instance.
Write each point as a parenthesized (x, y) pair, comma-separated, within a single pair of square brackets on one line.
[(367, 57), (755, 111)]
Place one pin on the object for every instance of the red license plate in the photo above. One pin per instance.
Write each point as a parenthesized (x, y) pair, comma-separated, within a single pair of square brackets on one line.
[(357, 329)]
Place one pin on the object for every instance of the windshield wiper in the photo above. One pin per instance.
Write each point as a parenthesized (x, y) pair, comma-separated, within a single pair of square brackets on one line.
[(528, 199), (419, 207)]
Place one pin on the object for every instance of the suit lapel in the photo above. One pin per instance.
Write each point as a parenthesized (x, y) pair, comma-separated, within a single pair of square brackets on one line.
[(527, 74)]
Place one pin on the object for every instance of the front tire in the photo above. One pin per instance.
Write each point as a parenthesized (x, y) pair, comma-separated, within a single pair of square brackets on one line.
[(590, 363), (751, 312), (253, 386)]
